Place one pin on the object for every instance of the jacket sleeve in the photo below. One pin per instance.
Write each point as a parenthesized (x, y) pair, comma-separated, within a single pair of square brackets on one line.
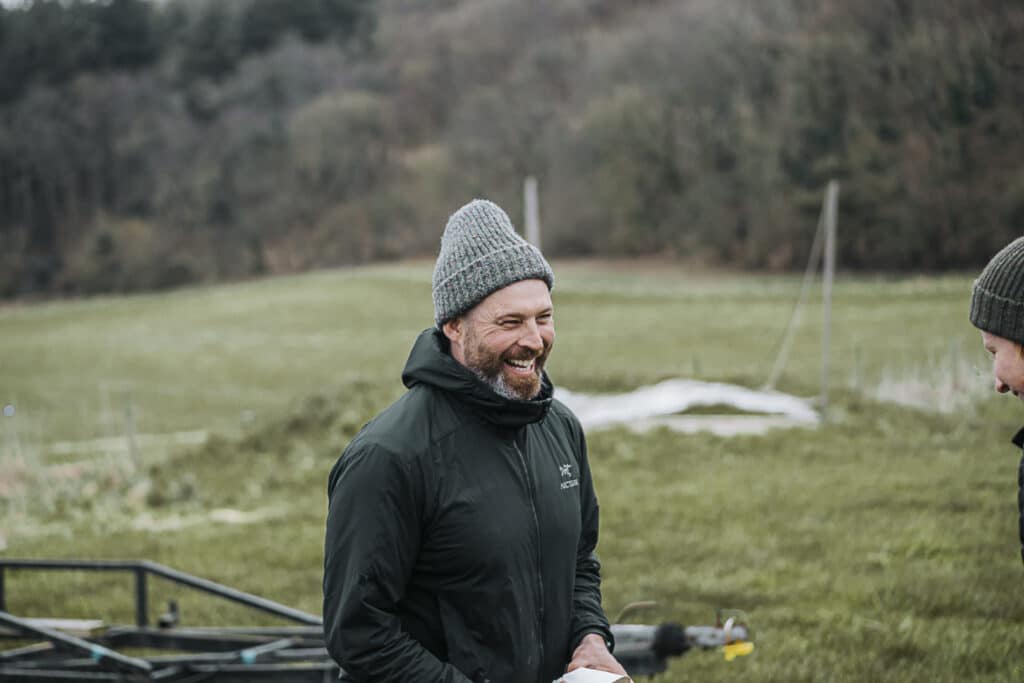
[(1020, 504), (372, 540), (588, 615)]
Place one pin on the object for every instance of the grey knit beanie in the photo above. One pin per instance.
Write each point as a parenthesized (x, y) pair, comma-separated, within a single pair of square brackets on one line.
[(480, 254), (997, 302)]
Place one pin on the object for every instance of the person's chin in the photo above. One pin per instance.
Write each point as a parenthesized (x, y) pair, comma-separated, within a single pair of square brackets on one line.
[(525, 388)]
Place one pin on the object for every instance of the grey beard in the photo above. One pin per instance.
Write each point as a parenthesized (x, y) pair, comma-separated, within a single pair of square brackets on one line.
[(501, 387)]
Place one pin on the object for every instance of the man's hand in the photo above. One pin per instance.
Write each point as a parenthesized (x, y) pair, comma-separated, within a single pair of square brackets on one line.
[(592, 653)]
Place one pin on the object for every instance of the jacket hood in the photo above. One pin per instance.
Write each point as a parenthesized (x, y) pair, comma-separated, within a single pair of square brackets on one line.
[(430, 363)]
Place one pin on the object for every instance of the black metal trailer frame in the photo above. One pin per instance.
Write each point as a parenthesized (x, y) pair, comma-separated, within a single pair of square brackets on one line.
[(290, 654), (287, 654)]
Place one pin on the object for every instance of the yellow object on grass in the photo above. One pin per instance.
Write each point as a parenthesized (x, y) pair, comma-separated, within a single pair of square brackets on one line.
[(734, 650)]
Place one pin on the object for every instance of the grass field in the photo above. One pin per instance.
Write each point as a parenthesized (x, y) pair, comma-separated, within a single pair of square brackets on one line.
[(880, 547)]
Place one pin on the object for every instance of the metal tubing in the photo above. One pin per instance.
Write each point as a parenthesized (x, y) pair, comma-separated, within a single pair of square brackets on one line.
[(22, 654), (308, 632), (141, 598), (238, 596), (248, 599), (303, 653), (182, 639), (251, 654), (10, 674), (278, 673), (98, 653), (105, 565)]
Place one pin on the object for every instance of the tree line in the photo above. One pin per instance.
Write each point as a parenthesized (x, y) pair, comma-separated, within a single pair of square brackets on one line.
[(147, 145)]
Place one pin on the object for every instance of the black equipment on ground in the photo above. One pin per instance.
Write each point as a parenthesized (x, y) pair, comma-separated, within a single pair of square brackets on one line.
[(88, 650)]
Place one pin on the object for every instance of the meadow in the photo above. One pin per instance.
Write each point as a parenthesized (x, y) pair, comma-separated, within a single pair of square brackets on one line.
[(880, 546)]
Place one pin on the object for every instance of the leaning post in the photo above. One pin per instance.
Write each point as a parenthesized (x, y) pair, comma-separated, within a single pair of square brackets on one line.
[(531, 211), (831, 208)]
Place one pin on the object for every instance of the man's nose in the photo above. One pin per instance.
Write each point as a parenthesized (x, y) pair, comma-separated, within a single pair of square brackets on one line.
[(1001, 386), (531, 338)]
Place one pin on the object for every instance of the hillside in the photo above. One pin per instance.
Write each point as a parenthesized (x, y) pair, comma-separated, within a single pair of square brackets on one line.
[(189, 141)]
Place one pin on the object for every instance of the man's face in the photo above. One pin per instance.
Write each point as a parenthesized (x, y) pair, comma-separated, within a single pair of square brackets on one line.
[(506, 338), (1007, 364)]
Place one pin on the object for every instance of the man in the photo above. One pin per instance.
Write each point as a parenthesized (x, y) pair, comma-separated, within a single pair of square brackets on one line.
[(463, 521), (997, 309)]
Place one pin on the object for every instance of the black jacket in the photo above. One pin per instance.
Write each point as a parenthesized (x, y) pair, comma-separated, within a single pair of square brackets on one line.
[(460, 535), (1019, 442)]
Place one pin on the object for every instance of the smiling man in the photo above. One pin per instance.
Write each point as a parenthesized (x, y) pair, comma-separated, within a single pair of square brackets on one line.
[(463, 521)]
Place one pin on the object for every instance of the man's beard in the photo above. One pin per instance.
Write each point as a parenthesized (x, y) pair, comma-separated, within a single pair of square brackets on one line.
[(490, 368)]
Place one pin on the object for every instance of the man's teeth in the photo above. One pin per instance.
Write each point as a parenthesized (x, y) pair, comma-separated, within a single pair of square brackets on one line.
[(524, 364)]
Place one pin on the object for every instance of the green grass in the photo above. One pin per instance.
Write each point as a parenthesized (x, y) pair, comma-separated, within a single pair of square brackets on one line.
[(209, 358), (878, 548), (222, 357)]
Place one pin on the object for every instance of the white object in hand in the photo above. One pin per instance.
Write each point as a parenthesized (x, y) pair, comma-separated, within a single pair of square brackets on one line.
[(593, 676)]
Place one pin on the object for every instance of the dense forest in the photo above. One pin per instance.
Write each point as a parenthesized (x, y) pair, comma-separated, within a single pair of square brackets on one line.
[(151, 144)]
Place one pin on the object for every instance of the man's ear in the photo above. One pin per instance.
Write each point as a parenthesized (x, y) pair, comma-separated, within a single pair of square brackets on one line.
[(453, 330)]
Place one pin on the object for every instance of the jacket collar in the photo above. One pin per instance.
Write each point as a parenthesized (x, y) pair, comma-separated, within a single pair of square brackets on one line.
[(1018, 440), (431, 363)]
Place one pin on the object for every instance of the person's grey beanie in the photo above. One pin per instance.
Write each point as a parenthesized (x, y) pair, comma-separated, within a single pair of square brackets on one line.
[(997, 302), (480, 254)]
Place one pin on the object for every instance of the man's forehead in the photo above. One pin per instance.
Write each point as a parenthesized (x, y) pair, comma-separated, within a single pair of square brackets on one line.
[(525, 296)]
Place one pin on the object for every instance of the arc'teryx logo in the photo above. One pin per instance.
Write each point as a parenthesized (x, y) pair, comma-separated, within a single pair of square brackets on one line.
[(566, 471)]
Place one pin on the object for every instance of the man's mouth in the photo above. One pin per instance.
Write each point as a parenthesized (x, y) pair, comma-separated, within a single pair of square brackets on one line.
[(521, 367)]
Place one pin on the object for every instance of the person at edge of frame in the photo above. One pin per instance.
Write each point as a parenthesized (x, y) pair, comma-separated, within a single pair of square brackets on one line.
[(997, 309), (462, 520)]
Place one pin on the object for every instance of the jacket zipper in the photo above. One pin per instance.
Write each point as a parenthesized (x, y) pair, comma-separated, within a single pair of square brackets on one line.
[(536, 530)]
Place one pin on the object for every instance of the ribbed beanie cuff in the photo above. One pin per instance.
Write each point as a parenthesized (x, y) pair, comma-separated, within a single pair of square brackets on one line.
[(480, 254), (997, 300)]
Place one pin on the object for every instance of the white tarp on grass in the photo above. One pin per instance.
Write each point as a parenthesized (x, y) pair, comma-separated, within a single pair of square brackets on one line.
[(659, 405)]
